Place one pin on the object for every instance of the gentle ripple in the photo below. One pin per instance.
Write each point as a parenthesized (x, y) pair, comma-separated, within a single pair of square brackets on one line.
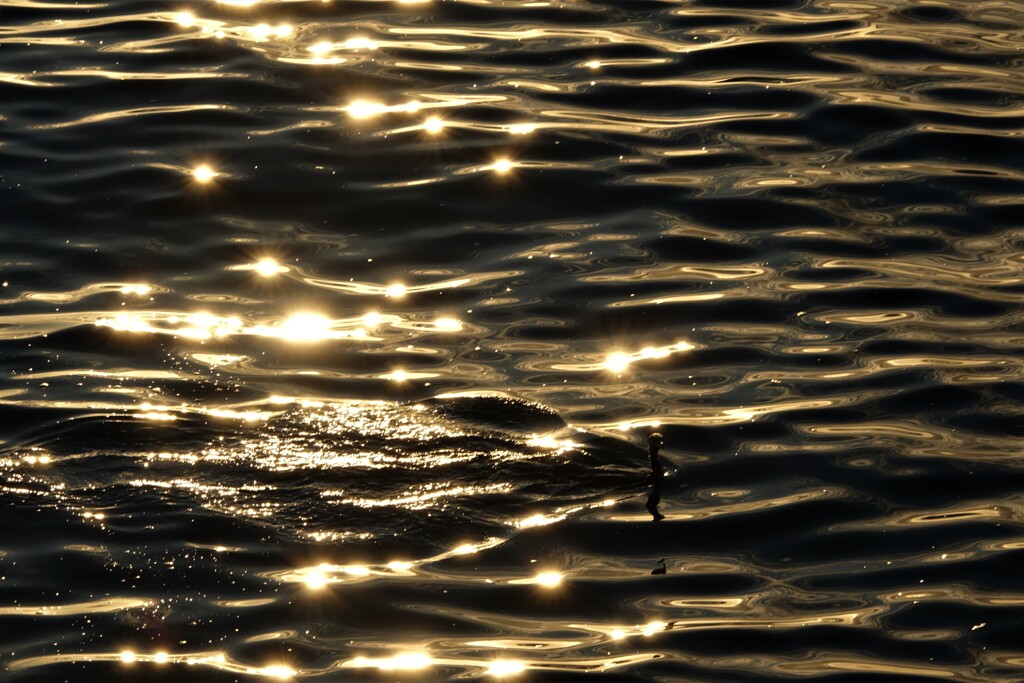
[(332, 333)]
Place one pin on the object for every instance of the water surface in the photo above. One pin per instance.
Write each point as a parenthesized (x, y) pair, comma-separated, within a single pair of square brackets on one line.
[(333, 333)]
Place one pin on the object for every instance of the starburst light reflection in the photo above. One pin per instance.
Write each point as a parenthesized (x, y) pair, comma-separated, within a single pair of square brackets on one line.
[(204, 173), (500, 668)]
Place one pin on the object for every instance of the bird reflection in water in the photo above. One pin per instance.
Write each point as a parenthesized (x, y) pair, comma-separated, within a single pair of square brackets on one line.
[(654, 444)]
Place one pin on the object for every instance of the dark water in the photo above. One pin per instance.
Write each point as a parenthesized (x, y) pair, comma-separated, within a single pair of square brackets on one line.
[(333, 333)]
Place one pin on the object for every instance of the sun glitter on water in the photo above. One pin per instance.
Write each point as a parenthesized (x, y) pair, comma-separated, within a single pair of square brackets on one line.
[(204, 173)]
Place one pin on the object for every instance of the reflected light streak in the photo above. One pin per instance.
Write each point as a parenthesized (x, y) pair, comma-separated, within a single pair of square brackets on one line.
[(396, 290), (501, 166), (549, 579), (315, 579), (204, 173), (365, 109), (551, 442), (185, 19), (653, 627), (538, 520), (321, 48), (448, 324), (617, 362), (306, 327), (433, 125), (359, 44), (620, 361), (405, 661), (522, 128), (277, 671), (400, 566), (505, 667), (268, 267)]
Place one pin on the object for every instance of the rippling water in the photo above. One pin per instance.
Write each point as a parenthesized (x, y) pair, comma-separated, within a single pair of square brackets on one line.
[(333, 334)]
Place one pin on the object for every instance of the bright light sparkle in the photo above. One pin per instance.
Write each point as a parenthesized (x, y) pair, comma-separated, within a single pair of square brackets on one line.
[(362, 109), (127, 656), (268, 267), (521, 128), (448, 324), (433, 125), (360, 44), (396, 290), (306, 327), (277, 671), (502, 166), (654, 627), (505, 667), (185, 19), (203, 173), (617, 362), (548, 579), (321, 48), (356, 570), (315, 579)]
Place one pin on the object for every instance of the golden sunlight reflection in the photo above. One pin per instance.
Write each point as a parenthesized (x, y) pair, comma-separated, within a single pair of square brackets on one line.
[(137, 290), (215, 660), (300, 327), (505, 667), (501, 166), (396, 290), (204, 173), (522, 128), (650, 628), (448, 324), (549, 579), (277, 671), (538, 520), (551, 442), (262, 32), (321, 48), (316, 578), (617, 362), (268, 267), (306, 327), (433, 125), (405, 661), (359, 43), (546, 579), (366, 109), (185, 19)]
